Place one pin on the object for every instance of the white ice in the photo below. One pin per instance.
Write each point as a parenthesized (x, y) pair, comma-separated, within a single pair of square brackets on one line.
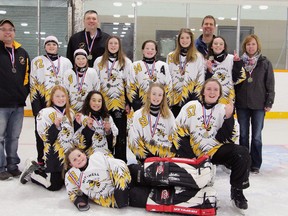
[(267, 194)]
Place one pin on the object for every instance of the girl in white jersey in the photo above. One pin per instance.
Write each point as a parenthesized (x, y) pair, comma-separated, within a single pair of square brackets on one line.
[(113, 68), (186, 67), (99, 178), (55, 127), (80, 80), (46, 71), (226, 68), (146, 71)]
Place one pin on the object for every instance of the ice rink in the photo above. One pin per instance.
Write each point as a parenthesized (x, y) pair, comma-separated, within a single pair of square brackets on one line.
[(267, 194)]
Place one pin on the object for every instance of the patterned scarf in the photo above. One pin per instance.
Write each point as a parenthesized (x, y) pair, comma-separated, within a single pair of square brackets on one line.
[(250, 63)]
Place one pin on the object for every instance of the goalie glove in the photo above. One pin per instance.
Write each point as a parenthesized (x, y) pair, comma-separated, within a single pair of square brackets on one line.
[(192, 173)]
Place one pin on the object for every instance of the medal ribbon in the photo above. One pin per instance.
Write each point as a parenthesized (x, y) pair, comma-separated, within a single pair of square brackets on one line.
[(87, 42), (182, 65), (100, 122), (79, 182), (12, 57), (55, 69), (80, 84), (150, 71), (109, 70), (206, 120), (59, 111), (153, 129)]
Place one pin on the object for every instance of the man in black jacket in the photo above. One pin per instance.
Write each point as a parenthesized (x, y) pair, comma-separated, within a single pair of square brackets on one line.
[(14, 89), (91, 39)]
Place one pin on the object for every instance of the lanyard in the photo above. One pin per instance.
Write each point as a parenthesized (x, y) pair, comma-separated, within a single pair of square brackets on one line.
[(80, 84), (92, 43), (150, 71), (55, 69), (182, 65), (153, 126), (12, 56), (79, 182), (109, 70), (206, 119)]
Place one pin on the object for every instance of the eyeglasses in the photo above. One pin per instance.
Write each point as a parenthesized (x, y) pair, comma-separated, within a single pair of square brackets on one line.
[(7, 30)]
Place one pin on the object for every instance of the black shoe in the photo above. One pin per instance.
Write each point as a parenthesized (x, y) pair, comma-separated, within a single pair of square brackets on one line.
[(254, 170), (238, 198), (15, 173), (30, 167)]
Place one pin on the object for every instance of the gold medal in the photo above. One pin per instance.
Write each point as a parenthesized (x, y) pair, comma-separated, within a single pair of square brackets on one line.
[(79, 99), (206, 134), (250, 79), (64, 118), (152, 142), (89, 57), (14, 70), (57, 82)]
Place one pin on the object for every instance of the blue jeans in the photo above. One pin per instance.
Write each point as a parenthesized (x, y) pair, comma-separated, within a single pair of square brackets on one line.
[(11, 121), (257, 122)]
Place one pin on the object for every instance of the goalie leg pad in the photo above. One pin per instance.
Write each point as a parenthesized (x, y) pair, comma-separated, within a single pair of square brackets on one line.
[(193, 173), (183, 201)]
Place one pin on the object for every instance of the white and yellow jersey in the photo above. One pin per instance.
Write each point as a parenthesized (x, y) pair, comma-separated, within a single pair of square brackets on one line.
[(79, 87), (43, 78), (113, 83), (98, 181), (186, 82), (141, 77), (63, 137), (141, 141)]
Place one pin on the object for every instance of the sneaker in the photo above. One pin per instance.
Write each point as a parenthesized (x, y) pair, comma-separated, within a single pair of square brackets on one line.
[(255, 170), (30, 167), (5, 176), (238, 198), (15, 173)]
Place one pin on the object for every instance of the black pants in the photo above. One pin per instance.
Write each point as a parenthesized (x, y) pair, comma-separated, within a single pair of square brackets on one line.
[(238, 159), (55, 179), (39, 146), (120, 120)]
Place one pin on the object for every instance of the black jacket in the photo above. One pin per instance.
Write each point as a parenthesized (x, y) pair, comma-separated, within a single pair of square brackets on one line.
[(78, 41), (14, 87), (260, 92)]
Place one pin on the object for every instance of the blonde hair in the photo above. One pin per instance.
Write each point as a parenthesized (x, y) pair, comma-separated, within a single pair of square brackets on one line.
[(247, 39), (67, 106), (192, 51), (164, 108)]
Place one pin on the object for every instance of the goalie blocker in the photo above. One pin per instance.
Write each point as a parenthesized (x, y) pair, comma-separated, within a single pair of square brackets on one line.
[(183, 201), (191, 173)]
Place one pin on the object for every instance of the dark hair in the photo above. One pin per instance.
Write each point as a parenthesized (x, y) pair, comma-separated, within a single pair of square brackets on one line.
[(120, 54), (210, 51), (150, 41), (209, 17), (86, 109), (90, 12)]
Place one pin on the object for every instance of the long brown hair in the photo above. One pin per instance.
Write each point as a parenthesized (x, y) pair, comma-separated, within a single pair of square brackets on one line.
[(192, 51), (67, 106), (164, 108), (120, 54)]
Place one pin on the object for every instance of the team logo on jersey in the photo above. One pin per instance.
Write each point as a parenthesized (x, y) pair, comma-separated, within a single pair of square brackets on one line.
[(82, 45), (143, 121), (221, 76), (191, 111), (22, 60)]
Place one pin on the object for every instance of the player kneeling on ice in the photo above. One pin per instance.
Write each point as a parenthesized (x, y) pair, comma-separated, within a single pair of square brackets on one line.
[(100, 178), (208, 127)]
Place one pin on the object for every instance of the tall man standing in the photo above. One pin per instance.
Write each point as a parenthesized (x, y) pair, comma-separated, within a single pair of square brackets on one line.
[(208, 28), (14, 89), (91, 39)]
